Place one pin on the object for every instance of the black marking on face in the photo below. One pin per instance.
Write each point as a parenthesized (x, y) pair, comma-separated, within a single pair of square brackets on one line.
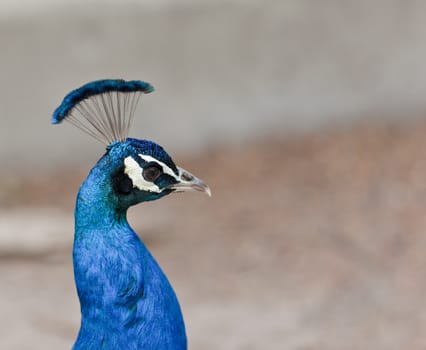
[(122, 184)]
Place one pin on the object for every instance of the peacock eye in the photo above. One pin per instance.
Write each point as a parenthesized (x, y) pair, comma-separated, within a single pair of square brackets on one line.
[(152, 172)]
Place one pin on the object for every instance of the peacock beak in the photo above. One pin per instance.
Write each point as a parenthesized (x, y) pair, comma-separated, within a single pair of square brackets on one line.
[(188, 182)]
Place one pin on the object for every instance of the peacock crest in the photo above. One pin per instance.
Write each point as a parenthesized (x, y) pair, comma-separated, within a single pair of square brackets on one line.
[(104, 109)]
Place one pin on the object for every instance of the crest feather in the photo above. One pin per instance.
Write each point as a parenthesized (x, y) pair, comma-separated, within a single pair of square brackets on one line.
[(103, 109)]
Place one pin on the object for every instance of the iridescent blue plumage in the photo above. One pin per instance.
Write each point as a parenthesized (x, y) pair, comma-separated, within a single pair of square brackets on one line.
[(126, 300), (96, 88), (154, 150)]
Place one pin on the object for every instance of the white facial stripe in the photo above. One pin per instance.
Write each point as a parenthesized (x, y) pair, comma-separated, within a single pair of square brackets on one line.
[(134, 172), (166, 168)]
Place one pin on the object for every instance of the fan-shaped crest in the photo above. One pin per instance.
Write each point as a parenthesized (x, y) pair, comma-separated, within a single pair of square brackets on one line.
[(103, 109)]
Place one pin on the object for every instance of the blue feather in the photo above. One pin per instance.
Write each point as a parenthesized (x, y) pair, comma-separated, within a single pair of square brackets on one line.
[(126, 300), (96, 88)]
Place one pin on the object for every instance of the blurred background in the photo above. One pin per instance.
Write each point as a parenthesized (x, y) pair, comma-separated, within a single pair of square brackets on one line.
[(308, 121)]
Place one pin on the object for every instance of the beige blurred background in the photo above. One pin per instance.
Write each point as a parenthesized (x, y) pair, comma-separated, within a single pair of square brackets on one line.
[(306, 118)]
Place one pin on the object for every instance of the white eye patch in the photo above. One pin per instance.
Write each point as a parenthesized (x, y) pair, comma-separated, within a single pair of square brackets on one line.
[(134, 172), (166, 168)]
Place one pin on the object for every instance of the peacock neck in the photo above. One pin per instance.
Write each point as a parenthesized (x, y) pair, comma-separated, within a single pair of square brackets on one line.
[(95, 207), (124, 295), (103, 243)]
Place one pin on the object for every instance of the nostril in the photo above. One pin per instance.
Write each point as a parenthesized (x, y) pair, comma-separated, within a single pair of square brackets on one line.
[(187, 177)]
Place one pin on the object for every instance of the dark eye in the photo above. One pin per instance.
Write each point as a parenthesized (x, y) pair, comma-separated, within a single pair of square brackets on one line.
[(151, 172)]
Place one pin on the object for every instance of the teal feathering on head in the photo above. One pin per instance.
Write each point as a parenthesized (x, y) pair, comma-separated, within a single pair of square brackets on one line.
[(126, 300)]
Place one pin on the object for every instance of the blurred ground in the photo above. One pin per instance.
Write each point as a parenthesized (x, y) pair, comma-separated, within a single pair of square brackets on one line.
[(312, 242)]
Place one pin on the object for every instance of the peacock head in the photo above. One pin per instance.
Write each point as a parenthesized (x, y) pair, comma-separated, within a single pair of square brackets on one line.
[(135, 170), (144, 172)]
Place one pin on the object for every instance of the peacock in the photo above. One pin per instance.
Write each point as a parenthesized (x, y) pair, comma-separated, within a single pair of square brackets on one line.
[(126, 300)]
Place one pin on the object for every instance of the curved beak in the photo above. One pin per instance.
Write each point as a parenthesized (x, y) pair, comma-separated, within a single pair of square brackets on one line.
[(188, 182)]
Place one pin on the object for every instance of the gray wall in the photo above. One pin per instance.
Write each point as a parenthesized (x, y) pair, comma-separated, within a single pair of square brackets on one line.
[(224, 71)]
